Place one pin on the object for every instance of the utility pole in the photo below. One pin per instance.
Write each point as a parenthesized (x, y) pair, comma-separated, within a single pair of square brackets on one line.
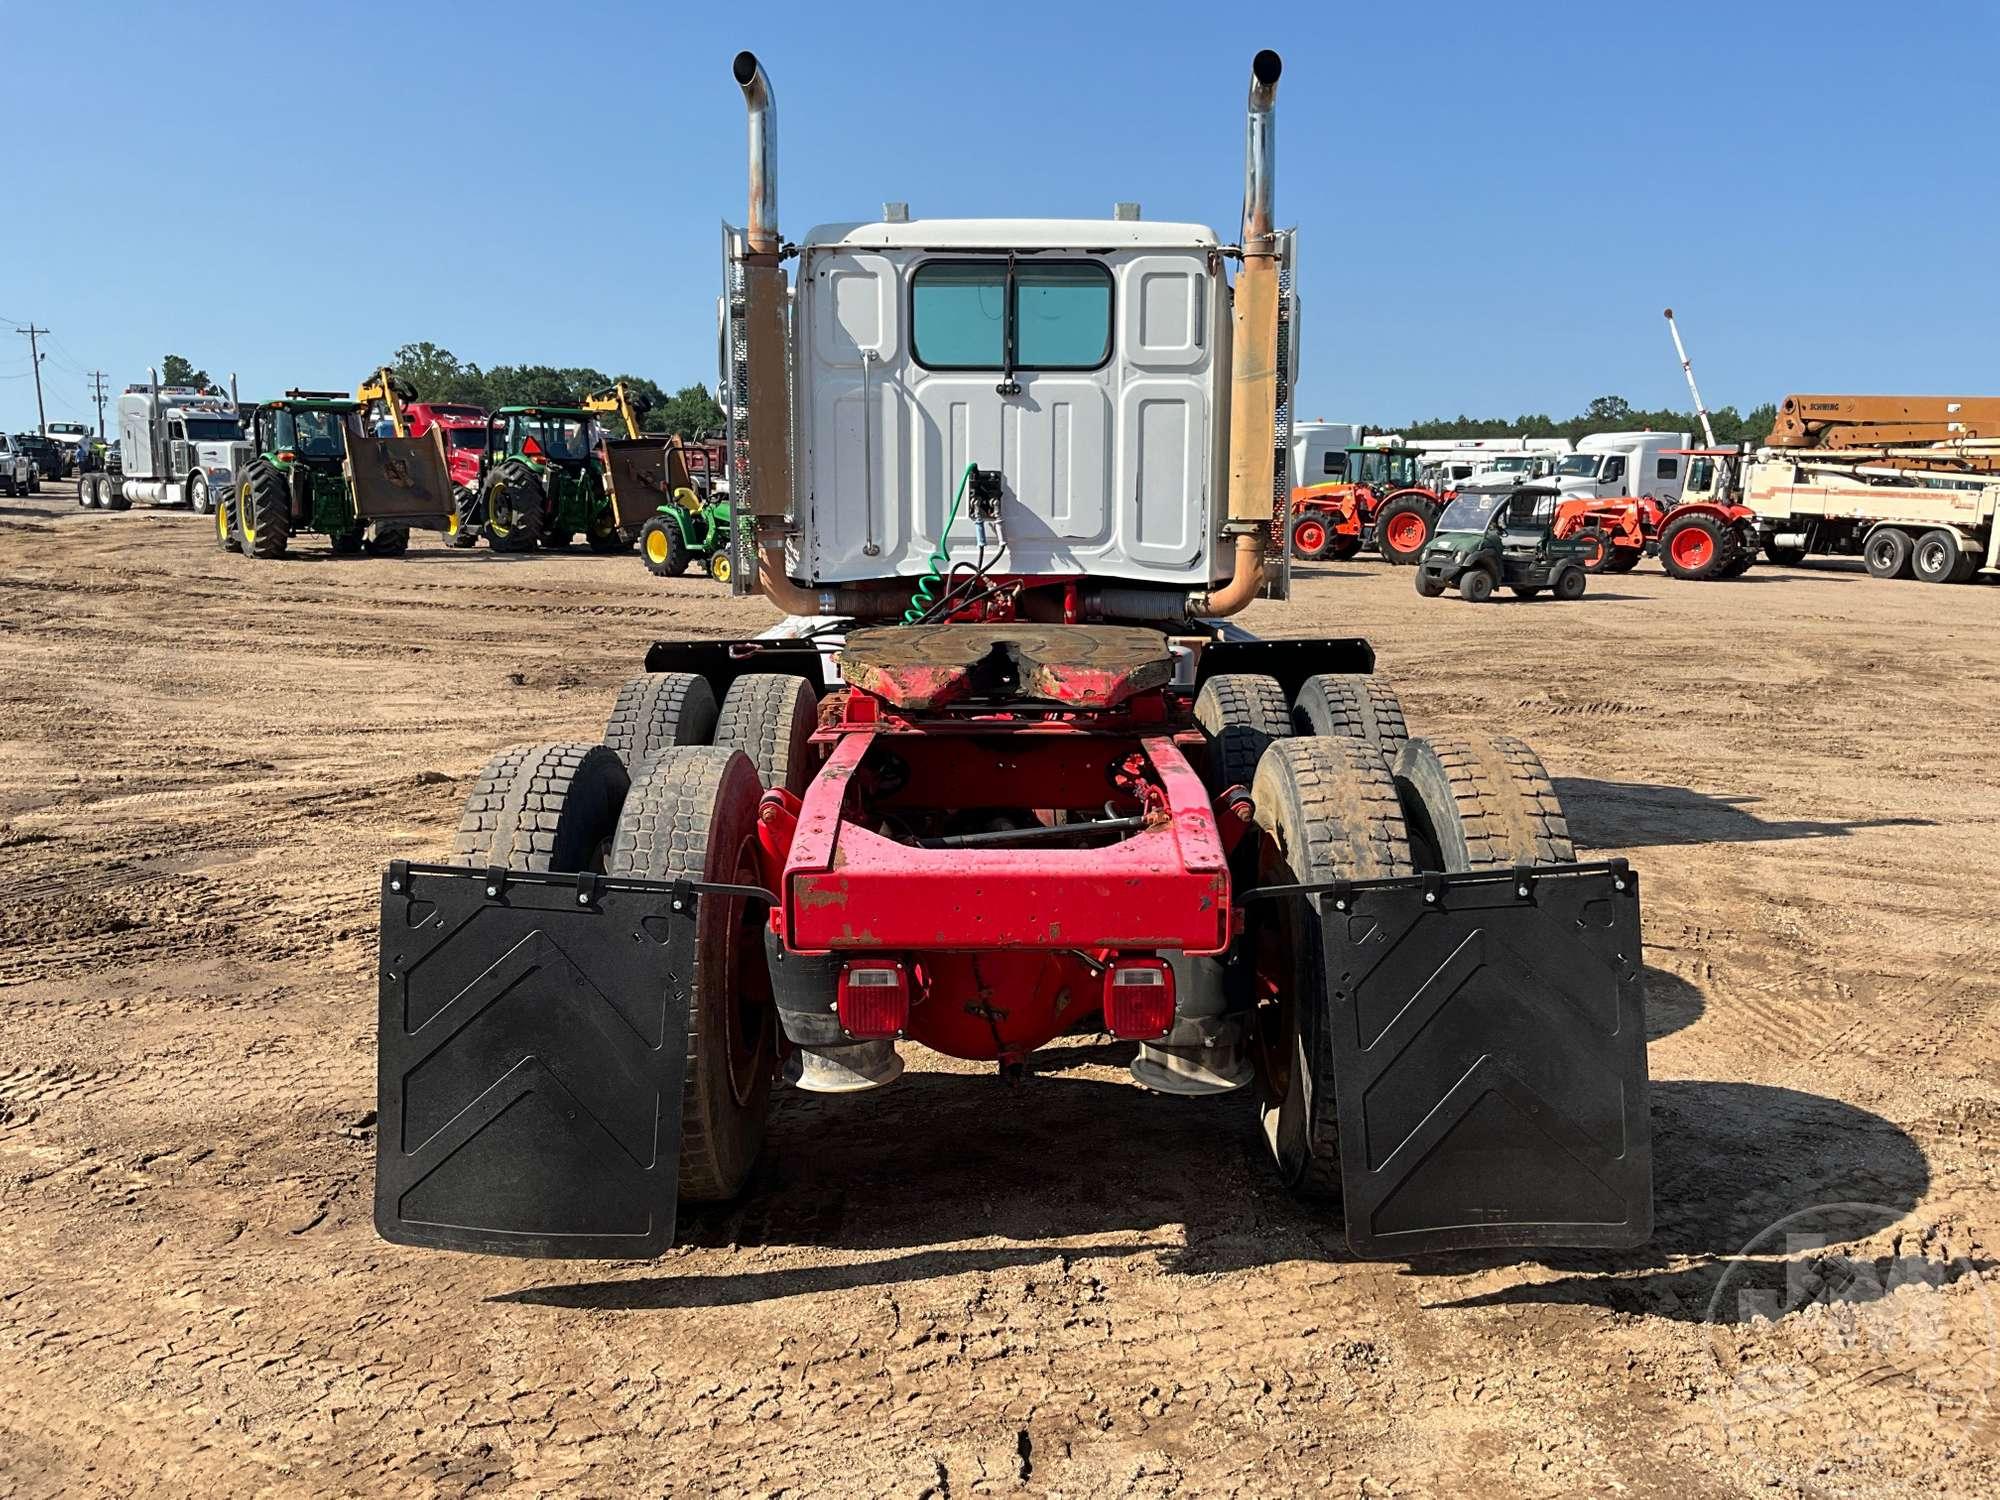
[(35, 359), (97, 392)]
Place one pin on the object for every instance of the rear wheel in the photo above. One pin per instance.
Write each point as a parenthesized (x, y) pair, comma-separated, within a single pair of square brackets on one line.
[(1624, 559), (1696, 547), (1570, 582), (770, 717), (86, 490), (348, 543), (1312, 538), (263, 510), (389, 541), (1362, 708), (1328, 810), (604, 535), (1404, 527), (543, 807), (1480, 804), (461, 527), (663, 547), (1596, 549), (512, 501), (112, 495), (692, 813), (1344, 547), (1939, 557), (1887, 552), (1475, 585), (658, 711), (719, 566), (1241, 713)]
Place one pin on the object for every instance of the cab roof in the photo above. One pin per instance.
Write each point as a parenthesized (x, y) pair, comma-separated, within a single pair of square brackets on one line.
[(1012, 234)]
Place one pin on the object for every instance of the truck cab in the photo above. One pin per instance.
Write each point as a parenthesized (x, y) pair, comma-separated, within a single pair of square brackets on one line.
[(180, 445), (1650, 465)]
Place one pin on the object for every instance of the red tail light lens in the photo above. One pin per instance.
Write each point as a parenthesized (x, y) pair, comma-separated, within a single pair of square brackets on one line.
[(1139, 999), (874, 1000)]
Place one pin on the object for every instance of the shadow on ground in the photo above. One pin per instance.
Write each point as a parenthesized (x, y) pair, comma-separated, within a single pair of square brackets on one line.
[(1639, 814), (911, 1173), (1672, 1004)]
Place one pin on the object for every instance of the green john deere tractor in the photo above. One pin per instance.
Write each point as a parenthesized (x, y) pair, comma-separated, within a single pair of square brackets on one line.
[(312, 468), (542, 481), (658, 500)]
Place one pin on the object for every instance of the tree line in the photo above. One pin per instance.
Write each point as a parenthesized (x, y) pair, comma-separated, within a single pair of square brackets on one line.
[(439, 375), (1605, 414)]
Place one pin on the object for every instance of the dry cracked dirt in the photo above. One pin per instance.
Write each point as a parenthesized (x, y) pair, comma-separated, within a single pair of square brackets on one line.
[(949, 1288)]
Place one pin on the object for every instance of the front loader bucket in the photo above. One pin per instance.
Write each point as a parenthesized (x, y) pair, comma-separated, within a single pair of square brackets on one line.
[(641, 479), (1487, 1040), (531, 1055), (401, 480)]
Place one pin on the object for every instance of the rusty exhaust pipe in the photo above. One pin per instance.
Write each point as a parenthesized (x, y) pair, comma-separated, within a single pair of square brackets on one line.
[(1253, 381)]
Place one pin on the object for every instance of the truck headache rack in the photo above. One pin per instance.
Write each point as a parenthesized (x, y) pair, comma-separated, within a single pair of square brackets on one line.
[(1488, 1041), (533, 1039)]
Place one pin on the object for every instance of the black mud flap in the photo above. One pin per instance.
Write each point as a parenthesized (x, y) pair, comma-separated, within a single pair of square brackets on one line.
[(531, 1056), (1488, 1053)]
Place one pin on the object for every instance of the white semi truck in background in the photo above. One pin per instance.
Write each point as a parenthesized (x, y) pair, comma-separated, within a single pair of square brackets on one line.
[(1606, 465), (178, 446)]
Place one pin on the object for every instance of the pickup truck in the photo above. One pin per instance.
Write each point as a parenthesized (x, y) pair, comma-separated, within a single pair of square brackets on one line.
[(18, 475)]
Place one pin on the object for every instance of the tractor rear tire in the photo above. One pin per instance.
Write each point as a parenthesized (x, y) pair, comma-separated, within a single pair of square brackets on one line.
[(513, 504), (1344, 547), (1597, 548), (1480, 804), (1475, 585), (544, 808), (770, 717), (1362, 708), (389, 541), (462, 528), (1328, 810), (1696, 547), (663, 547), (1940, 557), (1241, 713), (263, 510), (1404, 528), (1570, 582), (692, 813), (658, 711), (1312, 538), (348, 543), (1887, 552)]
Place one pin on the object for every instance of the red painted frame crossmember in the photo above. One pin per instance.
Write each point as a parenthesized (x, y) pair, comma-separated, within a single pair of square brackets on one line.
[(847, 888)]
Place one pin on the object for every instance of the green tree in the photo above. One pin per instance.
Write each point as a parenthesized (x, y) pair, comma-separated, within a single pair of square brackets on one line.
[(436, 372), (176, 371), (690, 412)]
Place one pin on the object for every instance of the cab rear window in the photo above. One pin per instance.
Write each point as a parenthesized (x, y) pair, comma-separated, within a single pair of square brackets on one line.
[(996, 315)]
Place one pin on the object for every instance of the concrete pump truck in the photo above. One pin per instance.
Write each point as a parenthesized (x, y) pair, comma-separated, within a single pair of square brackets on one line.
[(1008, 773)]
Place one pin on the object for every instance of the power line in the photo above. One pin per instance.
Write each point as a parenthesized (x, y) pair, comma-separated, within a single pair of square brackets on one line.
[(35, 360), (97, 383)]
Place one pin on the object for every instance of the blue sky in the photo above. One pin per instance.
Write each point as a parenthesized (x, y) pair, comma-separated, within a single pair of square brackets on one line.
[(1494, 202)]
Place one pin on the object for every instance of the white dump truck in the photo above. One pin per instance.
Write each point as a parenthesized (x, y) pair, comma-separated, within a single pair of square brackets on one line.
[(179, 446)]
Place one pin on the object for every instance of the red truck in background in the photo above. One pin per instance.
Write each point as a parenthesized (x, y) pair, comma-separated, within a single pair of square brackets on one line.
[(464, 439)]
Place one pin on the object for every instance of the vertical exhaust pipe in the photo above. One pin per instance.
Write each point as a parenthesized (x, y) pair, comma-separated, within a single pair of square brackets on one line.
[(1253, 381), (765, 320)]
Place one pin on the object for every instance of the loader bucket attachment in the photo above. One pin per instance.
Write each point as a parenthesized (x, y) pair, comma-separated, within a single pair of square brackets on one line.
[(641, 479), (405, 480), (1488, 1045), (532, 1050)]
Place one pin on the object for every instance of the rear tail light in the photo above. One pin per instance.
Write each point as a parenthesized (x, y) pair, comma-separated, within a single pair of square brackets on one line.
[(874, 1000), (1139, 999)]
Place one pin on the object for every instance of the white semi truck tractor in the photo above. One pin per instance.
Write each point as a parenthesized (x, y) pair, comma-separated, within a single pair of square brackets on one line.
[(179, 446)]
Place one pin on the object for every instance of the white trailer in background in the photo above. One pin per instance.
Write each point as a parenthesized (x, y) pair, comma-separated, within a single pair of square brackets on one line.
[(1319, 451)]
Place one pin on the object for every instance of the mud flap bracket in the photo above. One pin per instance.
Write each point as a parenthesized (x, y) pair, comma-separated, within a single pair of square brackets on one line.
[(531, 1059), (1487, 1043)]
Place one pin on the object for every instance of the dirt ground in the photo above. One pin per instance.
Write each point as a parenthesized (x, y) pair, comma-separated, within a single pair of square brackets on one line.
[(945, 1288)]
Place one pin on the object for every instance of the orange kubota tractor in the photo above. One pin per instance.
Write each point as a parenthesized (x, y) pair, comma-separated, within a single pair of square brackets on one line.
[(1380, 499), (1707, 533)]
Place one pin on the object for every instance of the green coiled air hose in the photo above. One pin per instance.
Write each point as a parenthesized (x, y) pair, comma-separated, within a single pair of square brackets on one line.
[(926, 595)]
